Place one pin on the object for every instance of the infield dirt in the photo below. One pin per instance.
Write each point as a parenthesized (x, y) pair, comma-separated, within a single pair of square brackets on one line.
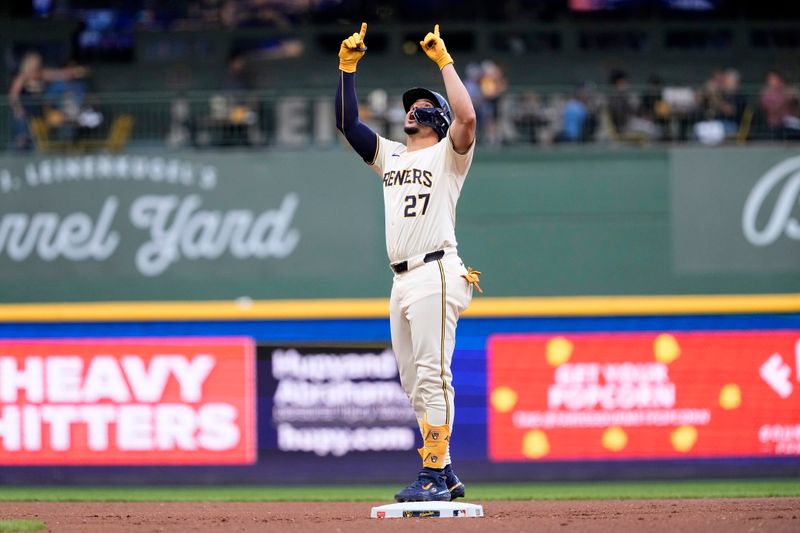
[(619, 516)]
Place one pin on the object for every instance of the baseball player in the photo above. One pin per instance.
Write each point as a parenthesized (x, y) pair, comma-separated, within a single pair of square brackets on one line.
[(421, 181)]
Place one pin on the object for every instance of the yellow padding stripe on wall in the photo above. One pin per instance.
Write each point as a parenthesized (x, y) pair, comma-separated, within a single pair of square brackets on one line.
[(379, 308)]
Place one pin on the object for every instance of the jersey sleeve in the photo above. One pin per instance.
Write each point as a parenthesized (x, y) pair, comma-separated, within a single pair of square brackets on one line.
[(384, 150), (460, 163)]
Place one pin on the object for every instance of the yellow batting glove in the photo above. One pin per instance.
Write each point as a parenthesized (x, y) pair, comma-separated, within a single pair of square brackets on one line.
[(352, 50), (434, 48)]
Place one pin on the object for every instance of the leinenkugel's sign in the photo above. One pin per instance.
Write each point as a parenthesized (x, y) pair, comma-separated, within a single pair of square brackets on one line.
[(288, 224), (175, 226), (128, 401), (180, 227)]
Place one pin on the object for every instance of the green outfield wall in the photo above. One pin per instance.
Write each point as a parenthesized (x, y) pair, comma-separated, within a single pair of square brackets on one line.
[(309, 224)]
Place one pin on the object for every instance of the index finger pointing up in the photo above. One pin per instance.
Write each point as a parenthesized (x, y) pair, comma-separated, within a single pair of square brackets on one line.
[(436, 30), (363, 31)]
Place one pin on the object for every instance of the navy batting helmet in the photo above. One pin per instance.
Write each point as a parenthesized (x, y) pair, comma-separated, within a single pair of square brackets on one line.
[(439, 117)]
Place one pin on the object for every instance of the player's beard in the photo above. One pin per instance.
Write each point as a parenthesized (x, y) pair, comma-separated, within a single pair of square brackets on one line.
[(411, 130)]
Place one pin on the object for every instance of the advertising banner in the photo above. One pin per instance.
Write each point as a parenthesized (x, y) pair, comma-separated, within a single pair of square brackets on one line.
[(285, 224), (128, 401), (335, 401), (159, 227), (743, 201), (644, 395)]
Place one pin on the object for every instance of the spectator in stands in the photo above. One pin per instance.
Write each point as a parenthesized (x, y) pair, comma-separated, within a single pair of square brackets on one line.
[(233, 118), (67, 112), (791, 120), (551, 113), (654, 108), (234, 82), (240, 107), (161, 16), (712, 86), (180, 127), (722, 107), (27, 91), (735, 103), (200, 14), (472, 82), (774, 101), (493, 87), (622, 103), (279, 13), (723, 103), (230, 16), (252, 13), (577, 121), (196, 14), (529, 118)]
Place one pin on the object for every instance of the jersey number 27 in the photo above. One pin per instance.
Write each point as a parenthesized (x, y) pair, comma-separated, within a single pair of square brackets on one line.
[(411, 204)]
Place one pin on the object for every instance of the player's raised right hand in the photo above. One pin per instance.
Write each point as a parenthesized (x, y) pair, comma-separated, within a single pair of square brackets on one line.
[(352, 50)]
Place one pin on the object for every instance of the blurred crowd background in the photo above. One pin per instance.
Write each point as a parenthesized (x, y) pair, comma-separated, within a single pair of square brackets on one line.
[(87, 75)]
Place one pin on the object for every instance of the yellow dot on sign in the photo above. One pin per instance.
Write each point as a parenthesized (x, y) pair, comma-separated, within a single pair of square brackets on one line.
[(666, 348), (535, 444), (504, 399), (558, 351), (614, 439), (730, 397), (684, 438)]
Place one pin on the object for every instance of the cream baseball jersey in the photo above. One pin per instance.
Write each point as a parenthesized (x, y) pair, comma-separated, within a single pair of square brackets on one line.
[(420, 193)]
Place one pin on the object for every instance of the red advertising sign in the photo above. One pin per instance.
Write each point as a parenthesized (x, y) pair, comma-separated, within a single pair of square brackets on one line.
[(644, 395), (127, 401)]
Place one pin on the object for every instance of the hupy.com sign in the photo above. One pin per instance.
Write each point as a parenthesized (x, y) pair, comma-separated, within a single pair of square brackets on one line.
[(736, 210), (185, 226), (333, 401)]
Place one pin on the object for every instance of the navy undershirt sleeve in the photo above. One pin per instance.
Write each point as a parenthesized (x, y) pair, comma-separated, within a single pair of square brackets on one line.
[(363, 140)]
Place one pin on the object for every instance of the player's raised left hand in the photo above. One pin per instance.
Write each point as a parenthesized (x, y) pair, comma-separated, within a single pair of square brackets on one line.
[(352, 50), (434, 48)]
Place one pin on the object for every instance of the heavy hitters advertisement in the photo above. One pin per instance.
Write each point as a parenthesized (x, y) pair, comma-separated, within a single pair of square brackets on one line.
[(127, 401), (629, 395)]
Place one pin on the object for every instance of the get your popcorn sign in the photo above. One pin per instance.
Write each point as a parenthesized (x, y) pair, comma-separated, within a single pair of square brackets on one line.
[(644, 395), (127, 401)]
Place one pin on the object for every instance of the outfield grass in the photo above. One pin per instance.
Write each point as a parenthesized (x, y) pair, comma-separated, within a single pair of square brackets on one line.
[(733, 488)]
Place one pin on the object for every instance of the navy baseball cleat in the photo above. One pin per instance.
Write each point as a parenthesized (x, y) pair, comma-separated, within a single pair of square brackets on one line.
[(454, 485), (430, 486)]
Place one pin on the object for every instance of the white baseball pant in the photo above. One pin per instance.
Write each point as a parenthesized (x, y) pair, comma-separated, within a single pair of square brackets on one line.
[(424, 308)]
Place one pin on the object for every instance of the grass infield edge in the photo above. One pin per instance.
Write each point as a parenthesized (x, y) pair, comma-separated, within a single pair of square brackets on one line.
[(21, 524), (729, 488)]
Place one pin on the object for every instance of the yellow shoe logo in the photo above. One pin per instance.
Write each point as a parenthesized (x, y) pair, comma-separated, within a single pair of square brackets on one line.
[(426, 487)]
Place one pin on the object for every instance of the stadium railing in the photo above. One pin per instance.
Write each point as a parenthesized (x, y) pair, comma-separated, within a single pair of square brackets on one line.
[(527, 116)]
